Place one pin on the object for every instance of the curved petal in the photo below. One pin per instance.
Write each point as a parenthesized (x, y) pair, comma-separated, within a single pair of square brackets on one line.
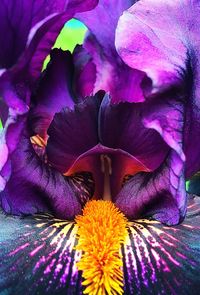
[(31, 186), (121, 126), (3, 111), (22, 76), (112, 74), (160, 194), (53, 93), (80, 134), (17, 20), (162, 39), (85, 73)]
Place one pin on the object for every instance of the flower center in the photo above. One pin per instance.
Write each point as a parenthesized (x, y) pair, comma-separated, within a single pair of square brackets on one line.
[(101, 231)]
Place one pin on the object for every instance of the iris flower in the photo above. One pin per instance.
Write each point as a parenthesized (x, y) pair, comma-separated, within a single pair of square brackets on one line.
[(96, 149)]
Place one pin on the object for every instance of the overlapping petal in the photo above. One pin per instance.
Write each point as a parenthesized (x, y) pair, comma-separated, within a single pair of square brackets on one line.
[(53, 93), (37, 28), (30, 37), (112, 74), (162, 39)]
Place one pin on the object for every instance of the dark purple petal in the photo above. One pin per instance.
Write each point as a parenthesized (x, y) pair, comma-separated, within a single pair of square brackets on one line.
[(121, 127), (122, 164), (34, 187), (82, 5), (162, 39), (3, 111), (112, 75), (21, 77), (54, 92), (28, 185), (85, 73), (160, 194), (72, 133), (17, 20)]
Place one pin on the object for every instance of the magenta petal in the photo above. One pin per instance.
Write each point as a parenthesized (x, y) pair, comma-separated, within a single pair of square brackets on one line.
[(112, 74), (162, 39)]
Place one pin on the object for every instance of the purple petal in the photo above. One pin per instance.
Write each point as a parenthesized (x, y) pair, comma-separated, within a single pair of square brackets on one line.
[(3, 111), (31, 186), (85, 73), (160, 194), (80, 133), (162, 39), (121, 126), (54, 92), (22, 76), (109, 12), (17, 20), (113, 76)]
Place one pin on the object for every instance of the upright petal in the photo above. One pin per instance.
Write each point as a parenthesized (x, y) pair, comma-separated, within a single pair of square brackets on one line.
[(85, 73), (38, 29), (121, 127), (53, 93), (18, 19), (162, 192), (112, 75), (80, 133), (162, 39)]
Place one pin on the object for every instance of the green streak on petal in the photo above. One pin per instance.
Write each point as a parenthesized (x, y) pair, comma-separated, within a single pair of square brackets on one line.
[(1, 126)]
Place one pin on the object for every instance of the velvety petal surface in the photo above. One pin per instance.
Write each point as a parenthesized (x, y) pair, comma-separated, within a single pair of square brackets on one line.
[(162, 192), (31, 186), (112, 75), (121, 127), (85, 73), (53, 93), (38, 256), (17, 19), (46, 22), (72, 133), (162, 39)]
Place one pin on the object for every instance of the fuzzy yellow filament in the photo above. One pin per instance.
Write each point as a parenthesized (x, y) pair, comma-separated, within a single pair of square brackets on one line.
[(101, 231)]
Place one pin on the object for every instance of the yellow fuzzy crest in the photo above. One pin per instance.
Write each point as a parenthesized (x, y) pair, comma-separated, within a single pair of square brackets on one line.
[(101, 231)]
